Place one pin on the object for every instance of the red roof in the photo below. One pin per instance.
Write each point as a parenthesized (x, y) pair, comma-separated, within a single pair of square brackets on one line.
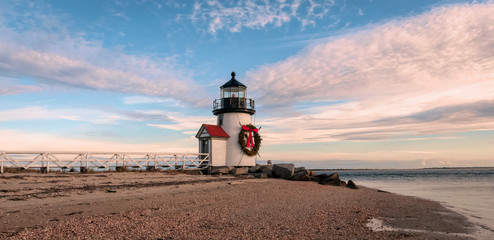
[(215, 131)]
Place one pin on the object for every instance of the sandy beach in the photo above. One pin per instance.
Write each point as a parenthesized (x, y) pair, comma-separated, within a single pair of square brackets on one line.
[(158, 205)]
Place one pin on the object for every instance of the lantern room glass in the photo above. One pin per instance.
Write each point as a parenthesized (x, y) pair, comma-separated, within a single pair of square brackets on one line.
[(233, 92)]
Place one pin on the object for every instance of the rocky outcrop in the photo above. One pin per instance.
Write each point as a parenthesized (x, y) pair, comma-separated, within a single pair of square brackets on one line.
[(332, 179), (351, 185), (266, 168), (222, 170), (240, 171), (262, 175), (301, 176), (284, 171), (255, 169)]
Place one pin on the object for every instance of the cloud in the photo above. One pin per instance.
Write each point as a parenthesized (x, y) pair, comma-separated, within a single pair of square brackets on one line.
[(18, 89), (9, 86), (236, 15), (428, 74), (22, 141), (147, 99), (95, 116), (141, 75), (35, 113), (456, 114), (44, 50), (294, 155), (444, 48), (189, 125)]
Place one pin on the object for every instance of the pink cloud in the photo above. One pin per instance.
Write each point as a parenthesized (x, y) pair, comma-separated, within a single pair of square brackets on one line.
[(391, 79)]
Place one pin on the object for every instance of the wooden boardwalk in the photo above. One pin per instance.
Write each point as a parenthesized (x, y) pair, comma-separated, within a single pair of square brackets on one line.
[(45, 161)]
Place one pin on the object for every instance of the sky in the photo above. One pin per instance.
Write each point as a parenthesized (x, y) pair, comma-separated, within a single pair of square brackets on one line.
[(337, 83)]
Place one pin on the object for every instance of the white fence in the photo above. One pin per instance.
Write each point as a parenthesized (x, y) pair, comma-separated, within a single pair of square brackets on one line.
[(102, 160)]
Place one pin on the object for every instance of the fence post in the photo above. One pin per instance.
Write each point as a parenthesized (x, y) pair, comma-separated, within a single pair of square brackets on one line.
[(1, 159), (183, 162), (48, 163)]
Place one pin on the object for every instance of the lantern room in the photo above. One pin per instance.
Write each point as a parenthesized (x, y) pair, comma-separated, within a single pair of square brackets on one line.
[(233, 98), (233, 88)]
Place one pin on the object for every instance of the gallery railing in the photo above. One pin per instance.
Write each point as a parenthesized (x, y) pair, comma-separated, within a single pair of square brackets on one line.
[(234, 103)]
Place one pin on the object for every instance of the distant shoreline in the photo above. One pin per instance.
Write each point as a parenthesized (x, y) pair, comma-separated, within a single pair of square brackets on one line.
[(398, 169)]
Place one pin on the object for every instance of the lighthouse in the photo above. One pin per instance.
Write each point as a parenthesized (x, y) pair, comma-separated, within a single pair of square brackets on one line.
[(234, 140)]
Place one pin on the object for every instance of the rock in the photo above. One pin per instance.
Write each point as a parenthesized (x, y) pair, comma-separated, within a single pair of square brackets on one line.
[(301, 176), (269, 162), (266, 175), (333, 179), (246, 176), (334, 176), (261, 175), (284, 171), (351, 185), (266, 168), (315, 179), (222, 170), (255, 169), (240, 171), (312, 173), (324, 175), (299, 169)]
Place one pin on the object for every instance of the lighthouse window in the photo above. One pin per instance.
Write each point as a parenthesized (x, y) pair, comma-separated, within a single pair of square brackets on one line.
[(227, 93), (233, 92), (220, 119)]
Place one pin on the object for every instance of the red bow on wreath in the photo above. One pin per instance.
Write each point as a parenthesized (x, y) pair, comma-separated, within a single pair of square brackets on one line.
[(250, 141)]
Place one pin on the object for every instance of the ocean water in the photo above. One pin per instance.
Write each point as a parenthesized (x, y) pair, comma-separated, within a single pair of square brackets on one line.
[(468, 191)]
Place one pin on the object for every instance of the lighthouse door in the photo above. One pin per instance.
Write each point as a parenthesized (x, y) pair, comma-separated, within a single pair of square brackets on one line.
[(204, 145)]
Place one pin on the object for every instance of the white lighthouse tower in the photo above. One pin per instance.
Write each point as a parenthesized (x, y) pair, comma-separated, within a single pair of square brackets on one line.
[(234, 111)]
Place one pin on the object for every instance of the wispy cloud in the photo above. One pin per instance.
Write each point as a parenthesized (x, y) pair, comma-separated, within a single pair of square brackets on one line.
[(236, 15), (187, 124), (9, 87), (95, 115), (428, 74), (147, 99), (20, 141), (44, 50)]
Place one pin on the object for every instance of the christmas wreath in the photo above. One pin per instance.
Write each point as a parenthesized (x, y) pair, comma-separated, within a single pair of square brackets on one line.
[(251, 134)]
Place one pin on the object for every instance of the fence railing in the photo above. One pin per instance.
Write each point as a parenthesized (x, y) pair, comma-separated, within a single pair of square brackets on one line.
[(101, 160)]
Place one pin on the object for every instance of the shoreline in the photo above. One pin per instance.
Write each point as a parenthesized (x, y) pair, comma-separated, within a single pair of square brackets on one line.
[(473, 205), (159, 205)]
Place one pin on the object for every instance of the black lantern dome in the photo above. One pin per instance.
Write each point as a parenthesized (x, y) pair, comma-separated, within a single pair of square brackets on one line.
[(233, 98)]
